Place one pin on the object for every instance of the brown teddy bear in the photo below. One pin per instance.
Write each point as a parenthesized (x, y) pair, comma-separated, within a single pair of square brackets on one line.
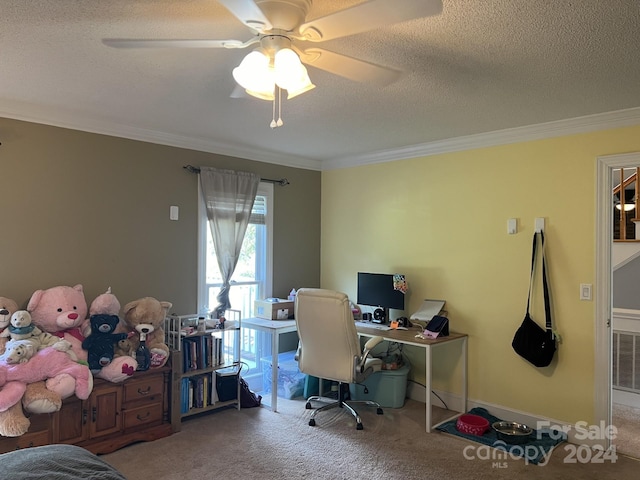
[(146, 315), (13, 422)]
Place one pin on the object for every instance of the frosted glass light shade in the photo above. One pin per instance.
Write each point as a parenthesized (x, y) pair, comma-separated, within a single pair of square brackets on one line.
[(254, 75), (290, 73), (627, 207)]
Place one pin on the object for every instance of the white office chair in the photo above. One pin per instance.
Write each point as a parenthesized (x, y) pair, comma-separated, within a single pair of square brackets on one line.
[(329, 347)]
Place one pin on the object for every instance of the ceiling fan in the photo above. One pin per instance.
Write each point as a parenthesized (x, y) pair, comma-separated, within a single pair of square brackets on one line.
[(282, 32)]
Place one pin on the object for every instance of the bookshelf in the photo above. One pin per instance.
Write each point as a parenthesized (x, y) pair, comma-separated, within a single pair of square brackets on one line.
[(205, 362)]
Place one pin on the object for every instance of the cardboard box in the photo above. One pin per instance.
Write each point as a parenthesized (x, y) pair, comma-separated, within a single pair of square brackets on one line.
[(274, 309)]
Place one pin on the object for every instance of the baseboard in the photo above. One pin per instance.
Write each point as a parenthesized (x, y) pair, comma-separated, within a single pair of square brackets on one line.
[(629, 399), (593, 436)]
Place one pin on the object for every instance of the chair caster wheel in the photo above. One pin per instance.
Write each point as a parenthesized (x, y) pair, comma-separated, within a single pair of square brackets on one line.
[(359, 426), (312, 423), (308, 406), (379, 411)]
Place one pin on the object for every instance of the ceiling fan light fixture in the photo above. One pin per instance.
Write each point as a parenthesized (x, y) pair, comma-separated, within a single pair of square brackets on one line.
[(291, 75), (262, 95), (300, 88), (253, 73)]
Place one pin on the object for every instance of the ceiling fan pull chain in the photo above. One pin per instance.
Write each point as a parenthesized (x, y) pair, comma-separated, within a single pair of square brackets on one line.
[(277, 98), (279, 123), (273, 123)]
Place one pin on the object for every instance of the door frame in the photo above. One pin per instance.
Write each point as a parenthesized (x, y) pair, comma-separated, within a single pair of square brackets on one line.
[(603, 390)]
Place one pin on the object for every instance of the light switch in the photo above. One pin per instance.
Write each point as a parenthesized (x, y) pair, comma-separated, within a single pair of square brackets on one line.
[(512, 226), (173, 212), (585, 291)]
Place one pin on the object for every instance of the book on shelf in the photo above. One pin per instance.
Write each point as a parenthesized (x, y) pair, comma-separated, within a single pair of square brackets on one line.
[(201, 352)]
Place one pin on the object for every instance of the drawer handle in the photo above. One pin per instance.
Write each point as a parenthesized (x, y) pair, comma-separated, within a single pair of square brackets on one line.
[(84, 416), (18, 447), (144, 392), (143, 418), (94, 413)]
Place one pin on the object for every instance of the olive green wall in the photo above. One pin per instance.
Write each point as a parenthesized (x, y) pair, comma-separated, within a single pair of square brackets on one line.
[(93, 209), (442, 221)]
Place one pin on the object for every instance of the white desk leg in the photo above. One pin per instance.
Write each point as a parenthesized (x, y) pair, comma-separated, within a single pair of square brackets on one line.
[(464, 375), (275, 347), (428, 386)]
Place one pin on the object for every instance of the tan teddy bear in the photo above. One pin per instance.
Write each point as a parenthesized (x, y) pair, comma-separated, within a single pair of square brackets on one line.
[(146, 316)]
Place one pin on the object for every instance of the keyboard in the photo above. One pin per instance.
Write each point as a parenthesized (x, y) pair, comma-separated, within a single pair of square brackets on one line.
[(375, 326)]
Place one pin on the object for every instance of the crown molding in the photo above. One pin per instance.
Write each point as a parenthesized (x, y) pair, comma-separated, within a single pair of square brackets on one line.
[(558, 128), (73, 122)]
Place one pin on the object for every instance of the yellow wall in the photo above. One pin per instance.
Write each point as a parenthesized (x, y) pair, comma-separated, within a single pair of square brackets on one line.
[(442, 221)]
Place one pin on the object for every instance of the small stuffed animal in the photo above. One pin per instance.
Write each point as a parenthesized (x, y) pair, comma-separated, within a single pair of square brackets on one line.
[(21, 328), (18, 351), (100, 343), (7, 308)]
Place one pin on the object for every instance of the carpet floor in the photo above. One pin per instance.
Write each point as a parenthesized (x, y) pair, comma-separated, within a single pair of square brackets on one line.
[(256, 443)]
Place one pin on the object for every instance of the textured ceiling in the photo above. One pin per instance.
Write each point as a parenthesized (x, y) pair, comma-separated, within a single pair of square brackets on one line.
[(480, 66)]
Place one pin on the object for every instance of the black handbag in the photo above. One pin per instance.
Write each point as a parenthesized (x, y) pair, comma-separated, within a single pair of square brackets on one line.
[(535, 344)]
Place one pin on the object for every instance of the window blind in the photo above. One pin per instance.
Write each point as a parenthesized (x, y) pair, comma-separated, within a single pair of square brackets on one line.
[(259, 210)]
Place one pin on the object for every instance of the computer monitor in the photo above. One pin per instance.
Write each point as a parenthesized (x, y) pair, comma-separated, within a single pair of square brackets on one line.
[(377, 290)]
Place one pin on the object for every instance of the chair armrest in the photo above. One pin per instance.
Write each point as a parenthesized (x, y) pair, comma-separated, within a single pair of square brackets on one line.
[(371, 343)]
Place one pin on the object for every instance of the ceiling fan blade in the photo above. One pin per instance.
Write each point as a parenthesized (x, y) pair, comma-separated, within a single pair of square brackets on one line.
[(348, 67), (367, 16), (248, 13), (168, 43)]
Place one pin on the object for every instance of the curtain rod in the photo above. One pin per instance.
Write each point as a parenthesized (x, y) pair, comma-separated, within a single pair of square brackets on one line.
[(282, 182)]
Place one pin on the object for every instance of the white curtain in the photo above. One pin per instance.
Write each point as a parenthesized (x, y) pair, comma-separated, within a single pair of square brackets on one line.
[(228, 197)]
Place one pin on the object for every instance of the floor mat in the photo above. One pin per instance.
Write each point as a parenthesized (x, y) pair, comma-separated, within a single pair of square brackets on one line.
[(541, 444)]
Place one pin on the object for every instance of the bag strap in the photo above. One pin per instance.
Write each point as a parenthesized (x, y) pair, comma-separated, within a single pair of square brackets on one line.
[(545, 282), (533, 267), (545, 286)]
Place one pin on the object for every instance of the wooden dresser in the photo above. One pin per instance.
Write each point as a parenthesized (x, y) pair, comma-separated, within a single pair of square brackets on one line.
[(115, 415)]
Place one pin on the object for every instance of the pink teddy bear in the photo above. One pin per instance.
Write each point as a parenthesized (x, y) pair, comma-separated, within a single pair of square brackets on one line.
[(62, 311)]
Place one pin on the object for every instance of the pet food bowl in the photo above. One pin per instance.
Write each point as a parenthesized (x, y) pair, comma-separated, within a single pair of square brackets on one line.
[(512, 432), (472, 424)]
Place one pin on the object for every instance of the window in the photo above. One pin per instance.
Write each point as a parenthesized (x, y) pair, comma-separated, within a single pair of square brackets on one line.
[(252, 277)]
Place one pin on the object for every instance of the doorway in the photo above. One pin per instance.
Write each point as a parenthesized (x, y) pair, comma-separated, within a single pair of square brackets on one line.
[(604, 290)]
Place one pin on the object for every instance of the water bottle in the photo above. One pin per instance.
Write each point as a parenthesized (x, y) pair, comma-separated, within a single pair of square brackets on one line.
[(143, 356)]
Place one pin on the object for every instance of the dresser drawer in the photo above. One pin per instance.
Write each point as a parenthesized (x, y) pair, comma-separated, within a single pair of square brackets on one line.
[(134, 417), (149, 389), (9, 444)]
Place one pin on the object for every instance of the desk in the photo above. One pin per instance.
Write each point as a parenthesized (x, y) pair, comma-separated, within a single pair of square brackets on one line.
[(407, 337), (275, 328)]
